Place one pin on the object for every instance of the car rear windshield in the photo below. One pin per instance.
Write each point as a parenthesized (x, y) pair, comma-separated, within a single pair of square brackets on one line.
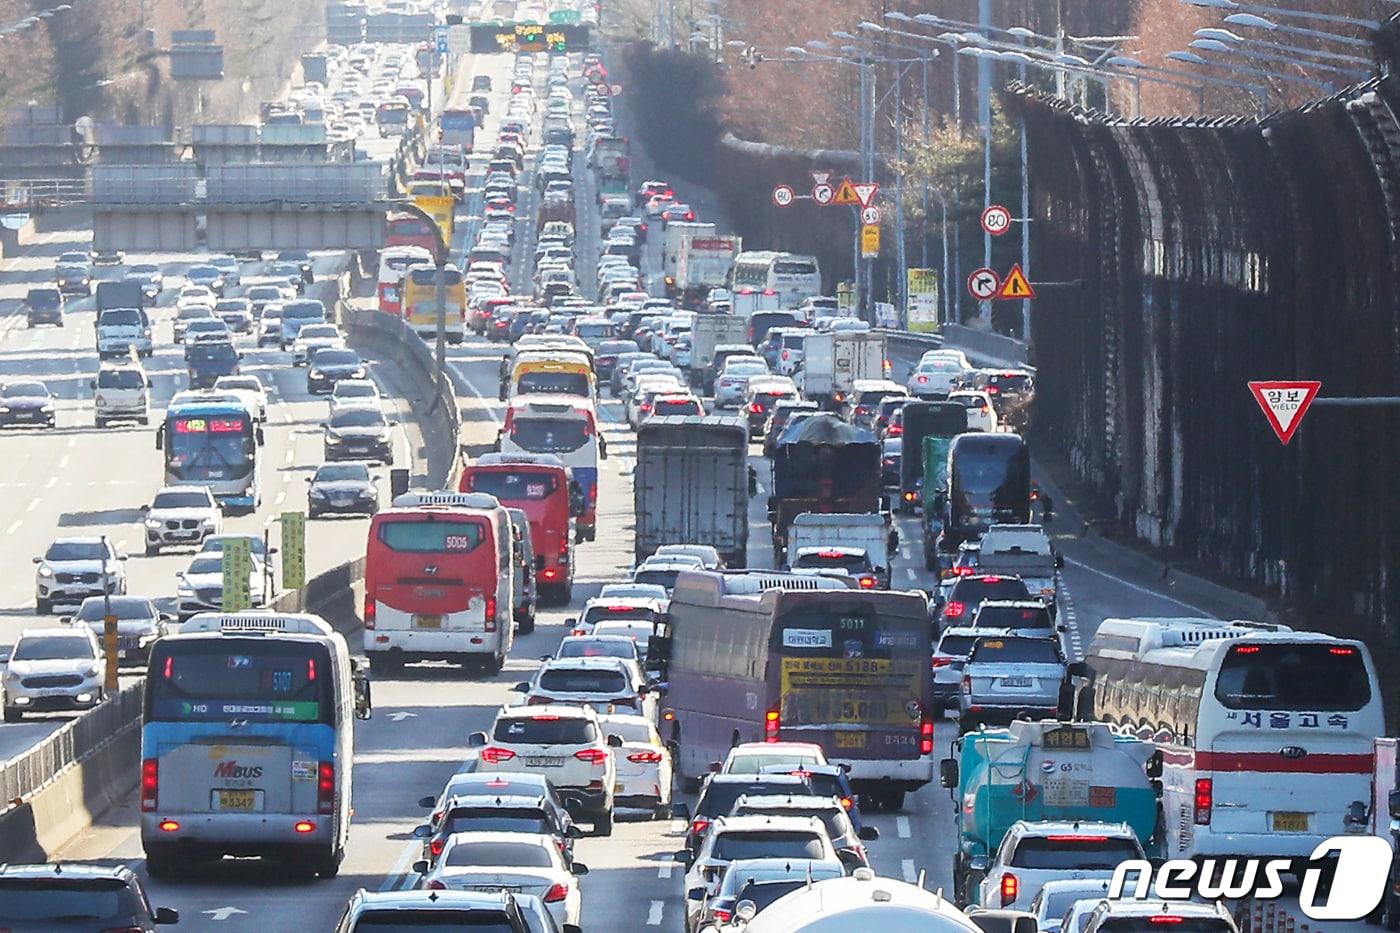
[(834, 820), (182, 500), (851, 563), (505, 854), (582, 681), (666, 578), (64, 901), (625, 613), (768, 843), (1013, 382), (595, 648), (432, 537), (336, 358), (1174, 922), (545, 730), (496, 819), (973, 591), (44, 297), (1074, 852), (515, 487), (1014, 651), (1021, 617), (956, 646), (1293, 677)]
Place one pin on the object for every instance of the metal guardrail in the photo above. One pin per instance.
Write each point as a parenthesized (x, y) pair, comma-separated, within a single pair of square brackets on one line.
[(20, 777), (17, 194)]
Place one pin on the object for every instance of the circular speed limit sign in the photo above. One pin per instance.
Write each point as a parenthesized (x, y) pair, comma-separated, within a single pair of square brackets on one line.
[(870, 215), (782, 195), (996, 220)]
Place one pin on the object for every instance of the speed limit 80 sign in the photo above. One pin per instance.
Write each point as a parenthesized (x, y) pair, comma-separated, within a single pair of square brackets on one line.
[(996, 220), (783, 195)]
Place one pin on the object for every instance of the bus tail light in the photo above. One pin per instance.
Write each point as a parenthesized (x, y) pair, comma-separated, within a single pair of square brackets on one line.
[(150, 784), (494, 755), (369, 613), (325, 787), (593, 756), (1205, 800), (926, 735), (772, 725), (490, 614), (1010, 885)]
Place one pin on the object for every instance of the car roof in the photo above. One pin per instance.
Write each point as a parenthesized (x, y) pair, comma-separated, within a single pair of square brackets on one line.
[(431, 900), (747, 823), (795, 801), (544, 840), (494, 800), (1043, 828), (68, 870), (550, 710), (588, 662)]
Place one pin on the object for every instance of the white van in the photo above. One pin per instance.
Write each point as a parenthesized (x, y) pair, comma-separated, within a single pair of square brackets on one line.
[(121, 392)]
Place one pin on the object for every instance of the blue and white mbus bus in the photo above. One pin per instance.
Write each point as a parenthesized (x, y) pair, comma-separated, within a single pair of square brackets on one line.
[(215, 444), (247, 741)]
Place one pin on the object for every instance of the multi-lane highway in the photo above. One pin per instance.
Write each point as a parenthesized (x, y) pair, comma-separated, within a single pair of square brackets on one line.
[(418, 736)]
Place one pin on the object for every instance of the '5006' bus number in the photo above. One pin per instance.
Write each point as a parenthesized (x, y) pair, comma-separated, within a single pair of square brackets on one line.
[(458, 543)]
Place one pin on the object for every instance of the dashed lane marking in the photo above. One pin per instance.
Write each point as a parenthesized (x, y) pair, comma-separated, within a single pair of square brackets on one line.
[(14, 526), (281, 497), (907, 867), (663, 871), (654, 914), (901, 826)]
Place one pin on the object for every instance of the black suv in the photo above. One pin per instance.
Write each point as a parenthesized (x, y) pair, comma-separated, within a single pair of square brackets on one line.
[(58, 898)]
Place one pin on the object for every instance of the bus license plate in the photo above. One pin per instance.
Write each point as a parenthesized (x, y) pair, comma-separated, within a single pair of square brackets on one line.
[(850, 740), (423, 621), (236, 799), (1290, 822)]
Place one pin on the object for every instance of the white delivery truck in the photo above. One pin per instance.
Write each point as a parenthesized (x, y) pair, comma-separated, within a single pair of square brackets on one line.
[(1023, 551), (831, 362), (703, 265), (674, 234), (708, 331), (872, 531)]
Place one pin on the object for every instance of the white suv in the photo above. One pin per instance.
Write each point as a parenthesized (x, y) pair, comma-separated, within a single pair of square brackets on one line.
[(567, 745), (1125, 916), (1033, 853), (181, 515), (599, 682)]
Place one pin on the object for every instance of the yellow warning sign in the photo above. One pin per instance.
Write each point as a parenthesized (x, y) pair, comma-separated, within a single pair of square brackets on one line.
[(1015, 285), (870, 241), (846, 194)]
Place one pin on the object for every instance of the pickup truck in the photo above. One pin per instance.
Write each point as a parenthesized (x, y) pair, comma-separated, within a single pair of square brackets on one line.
[(1007, 676), (872, 531), (1023, 551)]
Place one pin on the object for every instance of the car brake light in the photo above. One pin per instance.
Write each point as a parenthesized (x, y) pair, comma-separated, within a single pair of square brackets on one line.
[(896, 430), (1205, 800), (923, 380), (867, 583), (644, 758), (756, 408), (620, 608), (699, 825), (954, 610), (941, 660), (1166, 918), (435, 885), (785, 354), (772, 725), (369, 612), (436, 847), (722, 915), (325, 787), (962, 571), (1009, 886), (495, 755), (594, 756), (556, 893), (150, 784)]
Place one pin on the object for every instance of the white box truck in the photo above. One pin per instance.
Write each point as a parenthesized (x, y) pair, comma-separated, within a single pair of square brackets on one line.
[(673, 235), (831, 362), (704, 265), (691, 485), (708, 331)]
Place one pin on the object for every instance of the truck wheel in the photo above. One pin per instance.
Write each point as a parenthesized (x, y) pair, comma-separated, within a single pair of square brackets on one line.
[(99, 422), (13, 715), (152, 550), (492, 665), (892, 800), (159, 866), (602, 826), (43, 607), (1390, 909), (328, 866), (526, 625)]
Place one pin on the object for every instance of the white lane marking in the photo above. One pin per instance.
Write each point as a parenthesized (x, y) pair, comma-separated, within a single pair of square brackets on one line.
[(53, 481), (654, 914), (73, 441), (663, 870), (31, 506), (282, 497), (291, 456), (1134, 587), (906, 551), (907, 867), (13, 527), (63, 462), (901, 826)]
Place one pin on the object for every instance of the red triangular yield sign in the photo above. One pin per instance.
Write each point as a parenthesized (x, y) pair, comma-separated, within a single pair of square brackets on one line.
[(1285, 403)]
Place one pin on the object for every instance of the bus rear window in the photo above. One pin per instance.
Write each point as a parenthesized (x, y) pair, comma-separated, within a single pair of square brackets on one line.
[(552, 383), (240, 678), (791, 267), (547, 436), (515, 487), (850, 633), (432, 537), (1013, 617), (1071, 852), (1305, 677)]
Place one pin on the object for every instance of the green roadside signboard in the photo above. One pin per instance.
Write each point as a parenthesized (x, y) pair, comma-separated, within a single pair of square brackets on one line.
[(293, 550)]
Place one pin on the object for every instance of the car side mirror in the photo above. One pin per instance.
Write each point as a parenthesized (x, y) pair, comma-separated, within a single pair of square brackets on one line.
[(695, 894), (422, 831), (680, 811), (572, 928), (150, 384), (578, 869), (1393, 802), (571, 623), (979, 863), (476, 740), (36, 559), (683, 856), (948, 772), (1059, 561), (92, 383), (614, 741), (1078, 669), (522, 687), (427, 803), (868, 834), (421, 866), (573, 832), (167, 915), (123, 556)]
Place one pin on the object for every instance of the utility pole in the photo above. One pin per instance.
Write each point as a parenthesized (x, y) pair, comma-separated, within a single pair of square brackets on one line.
[(110, 634), (984, 113)]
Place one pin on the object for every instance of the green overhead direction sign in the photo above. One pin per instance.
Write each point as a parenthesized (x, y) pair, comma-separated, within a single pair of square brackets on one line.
[(293, 550), (238, 575)]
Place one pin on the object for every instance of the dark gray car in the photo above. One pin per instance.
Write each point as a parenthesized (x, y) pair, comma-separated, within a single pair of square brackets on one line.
[(345, 488), (73, 897), (359, 434), (26, 403)]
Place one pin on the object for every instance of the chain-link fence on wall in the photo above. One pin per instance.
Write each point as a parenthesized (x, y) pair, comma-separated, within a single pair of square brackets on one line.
[(1214, 253)]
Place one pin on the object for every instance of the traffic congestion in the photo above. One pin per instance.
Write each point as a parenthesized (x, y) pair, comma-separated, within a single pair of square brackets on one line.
[(728, 614)]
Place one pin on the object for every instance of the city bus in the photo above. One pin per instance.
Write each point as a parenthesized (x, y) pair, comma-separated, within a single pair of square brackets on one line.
[(566, 427), (552, 375), (457, 128), (420, 302), (247, 741), (403, 229), (393, 263), (393, 117), (1265, 733), (766, 657), (542, 487), (987, 482), (785, 278), (439, 581), (214, 444)]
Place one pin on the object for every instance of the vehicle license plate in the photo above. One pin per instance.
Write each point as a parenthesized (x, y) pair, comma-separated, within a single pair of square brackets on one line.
[(237, 799), (1290, 822), (1014, 681), (426, 621), (850, 740), (544, 762)]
